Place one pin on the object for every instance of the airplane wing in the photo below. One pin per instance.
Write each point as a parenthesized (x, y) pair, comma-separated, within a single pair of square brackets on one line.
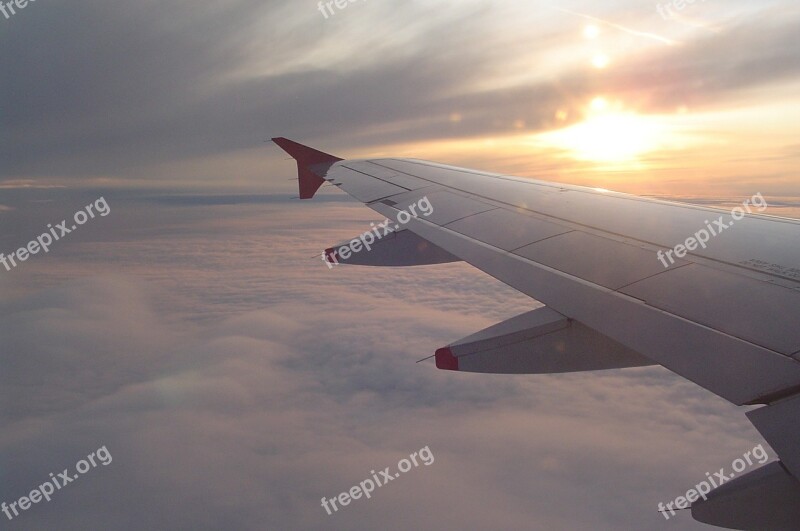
[(626, 281)]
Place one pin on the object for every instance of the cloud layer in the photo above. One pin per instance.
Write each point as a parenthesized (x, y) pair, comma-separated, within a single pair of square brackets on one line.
[(236, 381)]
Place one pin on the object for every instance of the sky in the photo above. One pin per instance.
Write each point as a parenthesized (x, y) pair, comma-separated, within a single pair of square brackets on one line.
[(194, 333)]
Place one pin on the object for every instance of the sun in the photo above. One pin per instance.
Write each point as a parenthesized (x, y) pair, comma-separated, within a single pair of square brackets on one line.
[(615, 137), (600, 61), (591, 31), (609, 134)]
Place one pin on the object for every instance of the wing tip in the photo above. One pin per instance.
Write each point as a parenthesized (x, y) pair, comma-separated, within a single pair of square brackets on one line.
[(445, 359), (310, 179), (302, 153)]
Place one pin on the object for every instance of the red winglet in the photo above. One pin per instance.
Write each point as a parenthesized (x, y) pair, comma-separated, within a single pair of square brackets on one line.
[(445, 359), (332, 256), (306, 157)]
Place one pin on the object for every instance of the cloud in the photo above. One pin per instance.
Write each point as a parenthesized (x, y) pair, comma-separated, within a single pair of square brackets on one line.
[(235, 381), (139, 84)]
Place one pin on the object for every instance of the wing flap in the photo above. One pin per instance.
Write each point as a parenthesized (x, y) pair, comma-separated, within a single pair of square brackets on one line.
[(599, 260), (400, 248), (518, 229), (541, 341), (756, 311), (779, 423), (767, 499)]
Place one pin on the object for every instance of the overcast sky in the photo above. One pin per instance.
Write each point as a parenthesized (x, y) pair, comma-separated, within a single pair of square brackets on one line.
[(235, 380)]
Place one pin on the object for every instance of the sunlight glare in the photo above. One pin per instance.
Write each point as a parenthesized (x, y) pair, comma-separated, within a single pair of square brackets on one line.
[(591, 31), (600, 61), (609, 135)]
